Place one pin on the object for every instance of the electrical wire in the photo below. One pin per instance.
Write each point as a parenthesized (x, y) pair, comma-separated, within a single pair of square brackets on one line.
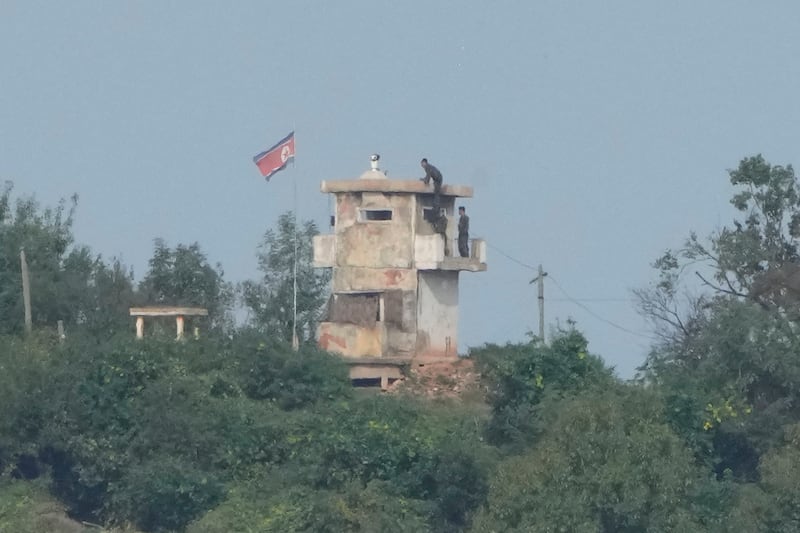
[(595, 315), (577, 301), (517, 261)]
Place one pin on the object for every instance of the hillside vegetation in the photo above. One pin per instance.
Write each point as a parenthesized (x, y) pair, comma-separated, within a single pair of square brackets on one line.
[(236, 432)]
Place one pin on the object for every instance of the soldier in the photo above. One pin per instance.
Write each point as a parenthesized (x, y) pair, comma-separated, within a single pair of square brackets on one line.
[(431, 172), (463, 232)]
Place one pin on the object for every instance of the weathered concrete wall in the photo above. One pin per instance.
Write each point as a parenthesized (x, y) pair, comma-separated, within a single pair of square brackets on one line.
[(437, 314), (324, 250), (351, 340), (428, 251), (401, 310), (400, 343), (373, 279), (376, 244)]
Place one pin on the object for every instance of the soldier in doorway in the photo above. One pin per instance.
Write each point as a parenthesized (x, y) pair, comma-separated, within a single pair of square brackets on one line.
[(463, 232)]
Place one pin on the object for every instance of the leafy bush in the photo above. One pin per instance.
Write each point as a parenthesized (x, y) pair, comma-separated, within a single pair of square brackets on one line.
[(374, 508), (419, 451), (519, 376), (606, 462), (272, 370), (165, 494), (24, 377)]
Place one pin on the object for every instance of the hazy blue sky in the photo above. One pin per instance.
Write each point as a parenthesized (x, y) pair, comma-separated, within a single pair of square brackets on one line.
[(596, 134)]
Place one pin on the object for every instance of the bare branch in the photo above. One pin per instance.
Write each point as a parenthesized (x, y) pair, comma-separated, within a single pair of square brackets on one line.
[(718, 288)]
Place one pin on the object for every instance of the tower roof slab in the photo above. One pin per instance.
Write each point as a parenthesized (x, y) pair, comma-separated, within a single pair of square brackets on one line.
[(393, 186)]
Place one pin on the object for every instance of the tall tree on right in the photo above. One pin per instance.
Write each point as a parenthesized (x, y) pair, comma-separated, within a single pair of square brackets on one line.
[(727, 359)]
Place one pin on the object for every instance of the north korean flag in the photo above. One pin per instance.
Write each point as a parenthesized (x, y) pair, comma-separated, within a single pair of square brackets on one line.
[(274, 159)]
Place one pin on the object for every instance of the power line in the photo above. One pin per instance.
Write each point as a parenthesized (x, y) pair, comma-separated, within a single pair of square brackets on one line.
[(517, 261), (592, 299), (595, 315), (578, 301)]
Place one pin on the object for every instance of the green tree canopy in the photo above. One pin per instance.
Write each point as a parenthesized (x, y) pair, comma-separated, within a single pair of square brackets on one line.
[(68, 282), (606, 462), (270, 299), (727, 361), (183, 276), (519, 376)]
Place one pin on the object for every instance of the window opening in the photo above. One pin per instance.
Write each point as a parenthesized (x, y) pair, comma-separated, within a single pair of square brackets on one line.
[(427, 213), (375, 215)]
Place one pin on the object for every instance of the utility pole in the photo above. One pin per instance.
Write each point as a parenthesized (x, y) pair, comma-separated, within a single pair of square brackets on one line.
[(540, 280), (26, 291)]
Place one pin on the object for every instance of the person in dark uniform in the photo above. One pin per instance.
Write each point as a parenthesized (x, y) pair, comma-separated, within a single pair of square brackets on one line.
[(463, 232), (432, 173)]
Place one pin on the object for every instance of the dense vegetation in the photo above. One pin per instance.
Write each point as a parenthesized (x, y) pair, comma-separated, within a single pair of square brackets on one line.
[(236, 432)]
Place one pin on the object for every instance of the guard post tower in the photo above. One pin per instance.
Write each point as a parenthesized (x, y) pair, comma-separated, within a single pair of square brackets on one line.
[(395, 279)]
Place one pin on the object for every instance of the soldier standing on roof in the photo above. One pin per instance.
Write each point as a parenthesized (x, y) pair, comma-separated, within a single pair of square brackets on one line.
[(431, 172)]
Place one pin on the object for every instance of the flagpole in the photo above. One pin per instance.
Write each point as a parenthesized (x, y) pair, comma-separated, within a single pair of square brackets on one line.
[(295, 340)]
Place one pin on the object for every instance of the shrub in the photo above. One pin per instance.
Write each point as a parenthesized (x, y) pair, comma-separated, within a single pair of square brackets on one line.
[(519, 376), (272, 370), (166, 494)]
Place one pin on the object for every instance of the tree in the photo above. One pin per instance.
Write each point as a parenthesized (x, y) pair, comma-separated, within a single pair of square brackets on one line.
[(606, 462), (45, 234), (756, 257), (68, 282), (754, 260), (96, 294), (519, 376), (270, 299), (183, 276), (726, 362), (773, 504)]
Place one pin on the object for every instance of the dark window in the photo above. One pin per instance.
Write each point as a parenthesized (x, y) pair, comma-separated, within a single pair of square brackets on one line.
[(376, 214), (427, 213)]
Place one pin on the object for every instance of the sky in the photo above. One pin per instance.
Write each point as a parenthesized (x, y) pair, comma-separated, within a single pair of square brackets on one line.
[(596, 135)]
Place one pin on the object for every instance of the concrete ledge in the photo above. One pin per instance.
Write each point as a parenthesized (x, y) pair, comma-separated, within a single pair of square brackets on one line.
[(454, 263), (377, 361), (164, 310), (396, 186), (459, 263)]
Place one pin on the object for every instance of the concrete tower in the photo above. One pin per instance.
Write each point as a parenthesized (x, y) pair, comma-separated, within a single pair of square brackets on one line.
[(395, 280)]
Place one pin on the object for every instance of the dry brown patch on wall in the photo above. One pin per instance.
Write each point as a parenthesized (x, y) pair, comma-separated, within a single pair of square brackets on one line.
[(358, 309)]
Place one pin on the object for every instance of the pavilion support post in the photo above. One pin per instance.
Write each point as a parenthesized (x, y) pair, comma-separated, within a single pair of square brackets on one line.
[(179, 326)]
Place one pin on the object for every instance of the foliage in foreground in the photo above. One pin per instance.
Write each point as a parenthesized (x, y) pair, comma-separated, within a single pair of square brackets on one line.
[(158, 433), (240, 433)]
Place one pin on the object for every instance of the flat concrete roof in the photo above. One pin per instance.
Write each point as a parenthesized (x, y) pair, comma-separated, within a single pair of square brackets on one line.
[(395, 186), (167, 310)]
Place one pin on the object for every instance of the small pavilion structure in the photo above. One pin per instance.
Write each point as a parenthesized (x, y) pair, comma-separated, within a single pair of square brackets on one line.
[(164, 310)]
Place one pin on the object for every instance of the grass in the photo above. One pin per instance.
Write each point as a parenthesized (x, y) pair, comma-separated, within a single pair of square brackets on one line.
[(28, 507)]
